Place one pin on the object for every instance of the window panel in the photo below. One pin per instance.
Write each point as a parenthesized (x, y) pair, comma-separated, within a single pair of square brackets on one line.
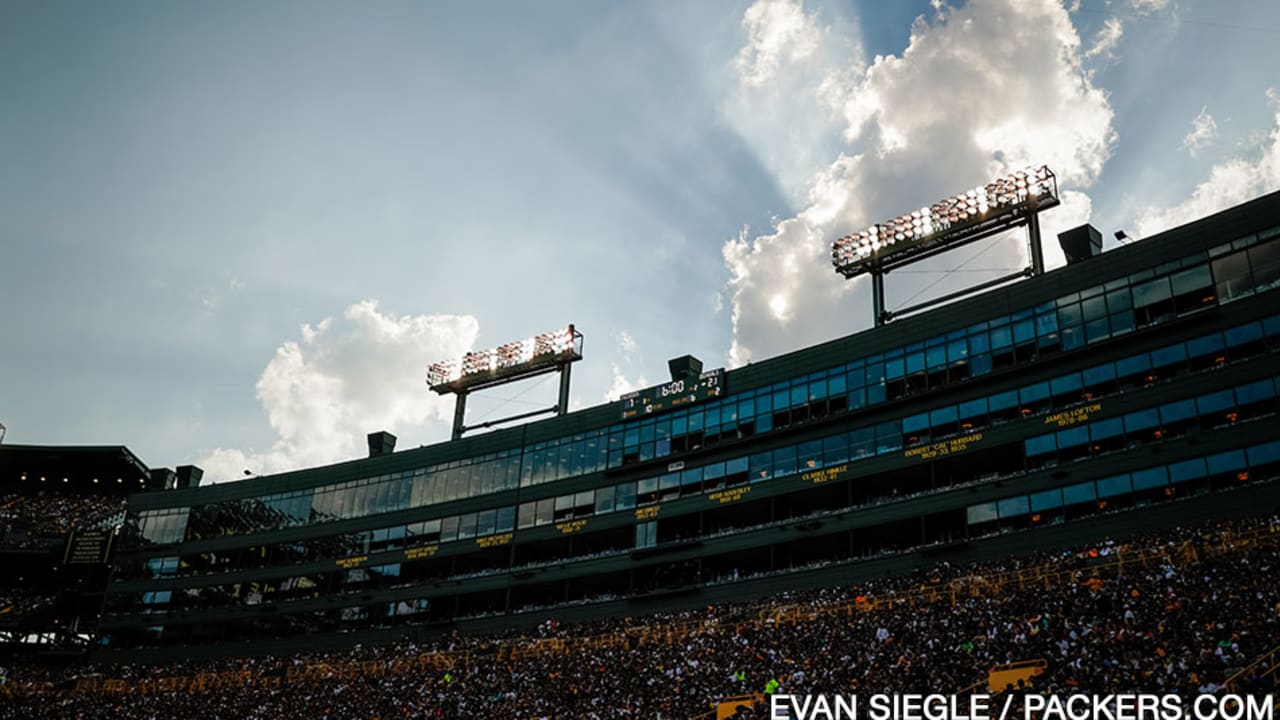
[(1112, 486), (1080, 493), (1047, 500), (985, 512), (1150, 478), (1013, 507)]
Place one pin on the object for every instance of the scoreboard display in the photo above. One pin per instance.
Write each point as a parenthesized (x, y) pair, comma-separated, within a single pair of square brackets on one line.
[(674, 394)]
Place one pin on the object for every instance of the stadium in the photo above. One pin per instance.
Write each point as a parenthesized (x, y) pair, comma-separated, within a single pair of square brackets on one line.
[(1065, 484)]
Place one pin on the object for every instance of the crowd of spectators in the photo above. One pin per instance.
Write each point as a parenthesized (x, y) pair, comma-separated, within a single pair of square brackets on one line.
[(52, 514), (1201, 608)]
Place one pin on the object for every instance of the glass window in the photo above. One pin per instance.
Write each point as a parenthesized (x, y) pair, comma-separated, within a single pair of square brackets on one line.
[(1172, 355), (1013, 507), (1244, 334), (467, 526), (1207, 345), (982, 513), (1069, 315), (1098, 375), (1232, 276), (1177, 411), (1265, 260), (1103, 429), (604, 500), (761, 466), (1215, 402), (1187, 470), (1225, 462), (1034, 393), (1150, 293), (1119, 301), (973, 409), (1065, 385), (1191, 280), (1134, 365), (835, 450), (1094, 308), (1001, 337), (1073, 437), (1141, 420), (1004, 400), (1264, 454), (449, 529), (1041, 445), (1255, 392), (546, 513), (1047, 500), (913, 424), (486, 522), (1112, 486), (1150, 478), (625, 496), (1081, 493)]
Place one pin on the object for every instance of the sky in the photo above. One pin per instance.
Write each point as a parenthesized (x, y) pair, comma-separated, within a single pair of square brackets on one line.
[(235, 234)]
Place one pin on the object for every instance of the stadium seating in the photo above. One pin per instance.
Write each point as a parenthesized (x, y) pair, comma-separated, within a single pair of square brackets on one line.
[(1186, 610)]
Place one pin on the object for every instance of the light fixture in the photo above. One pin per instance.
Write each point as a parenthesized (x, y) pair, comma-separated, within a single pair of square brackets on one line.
[(936, 221), (513, 355)]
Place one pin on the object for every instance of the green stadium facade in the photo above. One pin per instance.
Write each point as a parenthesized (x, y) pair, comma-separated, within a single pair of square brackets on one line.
[(1132, 390)]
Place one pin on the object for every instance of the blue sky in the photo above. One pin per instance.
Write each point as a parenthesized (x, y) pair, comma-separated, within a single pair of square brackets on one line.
[(188, 191)]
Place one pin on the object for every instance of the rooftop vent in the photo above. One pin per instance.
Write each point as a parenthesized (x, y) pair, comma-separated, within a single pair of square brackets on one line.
[(381, 443), (163, 478), (189, 476), (684, 366), (1080, 243)]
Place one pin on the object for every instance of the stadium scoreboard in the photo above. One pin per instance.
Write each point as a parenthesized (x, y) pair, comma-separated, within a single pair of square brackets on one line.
[(677, 393)]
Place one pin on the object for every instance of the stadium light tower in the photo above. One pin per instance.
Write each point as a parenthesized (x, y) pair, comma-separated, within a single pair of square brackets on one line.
[(549, 352), (1002, 204)]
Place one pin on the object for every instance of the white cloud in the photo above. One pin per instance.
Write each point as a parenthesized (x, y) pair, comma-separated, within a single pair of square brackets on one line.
[(621, 384), (346, 378), (1203, 131), (1230, 182), (994, 85), (1107, 39), (773, 101), (779, 32)]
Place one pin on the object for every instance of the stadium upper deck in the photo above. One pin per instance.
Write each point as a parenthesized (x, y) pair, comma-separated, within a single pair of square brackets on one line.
[(1011, 421)]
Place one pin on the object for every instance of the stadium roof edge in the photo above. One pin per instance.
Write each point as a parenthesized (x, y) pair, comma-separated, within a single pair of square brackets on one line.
[(746, 377)]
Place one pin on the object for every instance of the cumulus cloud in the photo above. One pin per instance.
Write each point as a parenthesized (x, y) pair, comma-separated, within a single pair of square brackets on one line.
[(1107, 39), (779, 32), (1203, 131), (1230, 182), (946, 115), (347, 377), (773, 104), (622, 370)]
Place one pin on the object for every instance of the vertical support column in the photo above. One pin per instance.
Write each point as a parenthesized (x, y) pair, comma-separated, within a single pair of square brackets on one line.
[(562, 405), (877, 295), (459, 412), (1033, 243)]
